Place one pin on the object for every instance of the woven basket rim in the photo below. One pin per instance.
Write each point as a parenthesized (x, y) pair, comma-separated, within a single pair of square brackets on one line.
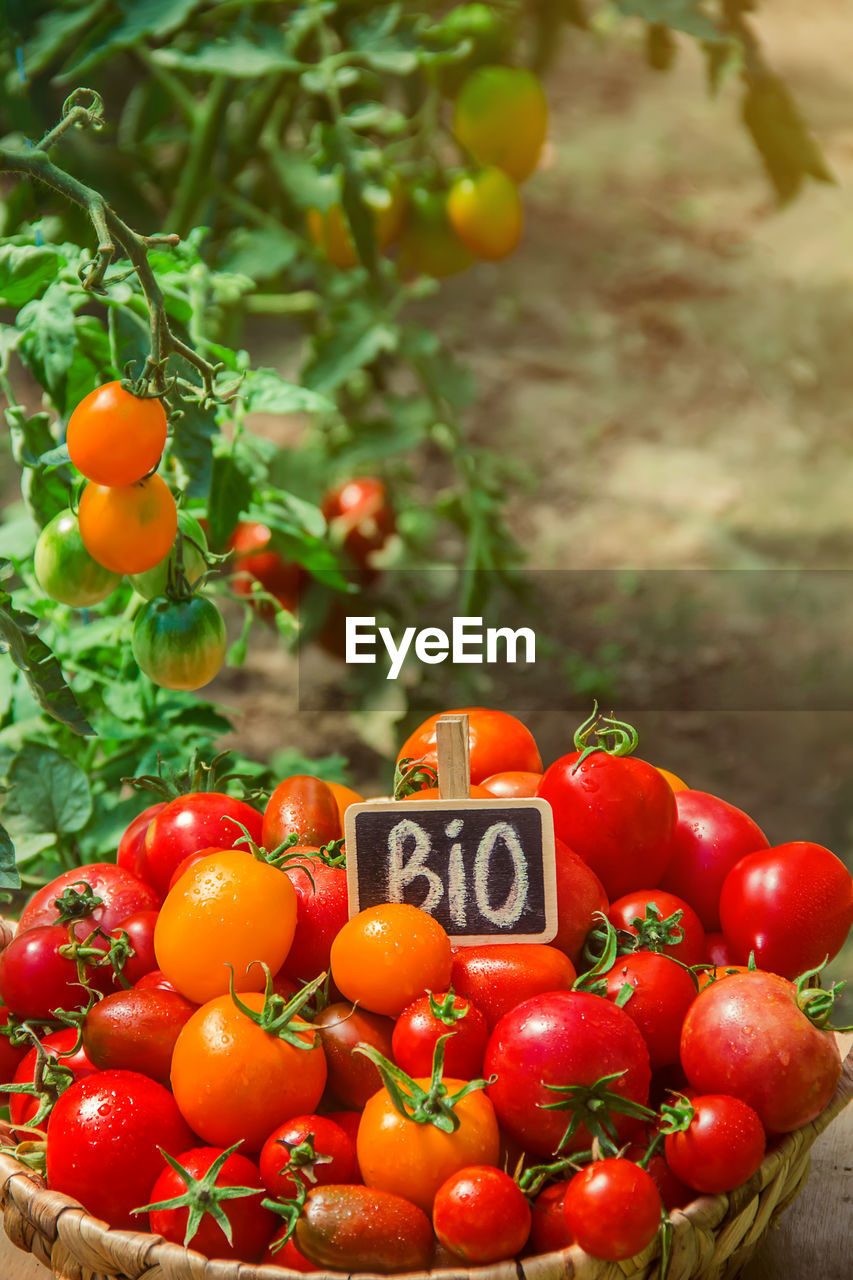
[(44, 1209)]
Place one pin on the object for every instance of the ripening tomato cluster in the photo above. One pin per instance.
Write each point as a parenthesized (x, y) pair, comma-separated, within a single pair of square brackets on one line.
[(264, 1078), (499, 121)]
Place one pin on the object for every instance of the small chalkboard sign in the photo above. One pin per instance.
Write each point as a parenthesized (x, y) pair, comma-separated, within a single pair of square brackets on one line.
[(485, 869)]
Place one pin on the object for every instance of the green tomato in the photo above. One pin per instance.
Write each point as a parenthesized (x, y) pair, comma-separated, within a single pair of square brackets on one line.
[(65, 570), (153, 582), (179, 644)]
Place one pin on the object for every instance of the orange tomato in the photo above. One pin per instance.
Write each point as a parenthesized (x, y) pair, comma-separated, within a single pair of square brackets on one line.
[(115, 437), (485, 212), (387, 955), (398, 1154), (432, 793), (232, 1080), (227, 908), (497, 742), (128, 528), (501, 118), (328, 228), (344, 797), (673, 779), (512, 782)]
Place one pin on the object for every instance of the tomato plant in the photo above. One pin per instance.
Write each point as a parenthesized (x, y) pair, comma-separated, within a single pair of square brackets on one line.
[(64, 568), (114, 437), (179, 644)]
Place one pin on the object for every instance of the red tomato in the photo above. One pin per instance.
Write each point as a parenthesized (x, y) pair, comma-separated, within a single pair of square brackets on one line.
[(35, 979), (498, 742), (200, 820), (287, 1255), (352, 1077), (549, 1230), (613, 1209), (104, 1138), (154, 980), (256, 559), (580, 894), (662, 992), (722, 1147), (321, 912), (512, 783), (121, 893), (690, 949), (561, 1038), (420, 1026), (497, 976), (304, 806), (791, 905), (360, 518), (746, 1035), (481, 1215), (140, 934), (316, 1146), (710, 836), (251, 1224), (24, 1106), (131, 847), (615, 812), (136, 1030)]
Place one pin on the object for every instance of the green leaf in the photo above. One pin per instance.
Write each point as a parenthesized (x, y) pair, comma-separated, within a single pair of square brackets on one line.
[(191, 445), (265, 391), (376, 116), (682, 15), (48, 792), (25, 270), (261, 254), (788, 150), (55, 34), (230, 495), (9, 877), (41, 669), (236, 57), (141, 19), (129, 338), (47, 345), (344, 350)]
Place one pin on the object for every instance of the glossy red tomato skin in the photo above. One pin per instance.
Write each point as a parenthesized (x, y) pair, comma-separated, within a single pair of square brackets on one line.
[(710, 836), (481, 1215), (200, 820), (154, 980), (122, 894), (136, 1030), (360, 515), (256, 558), (251, 1224), (131, 847), (287, 1255), (497, 976), (103, 1138), (691, 949), (352, 1078), (723, 1146), (334, 1147), (549, 1230), (417, 1031), (305, 806), (561, 1038), (791, 905), (497, 741), (512, 783), (34, 978), (616, 812), (580, 894), (57, 1044), (321, 911), (613, 1209), (746, 1036), (663, 991), (140, 934)]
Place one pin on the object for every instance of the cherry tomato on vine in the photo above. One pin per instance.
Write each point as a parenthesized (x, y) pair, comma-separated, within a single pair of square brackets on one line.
[(256, 559), (501, 117), (315, 1146), (65, 570), (23, 1107), (791, 905), (179, 644), (422, 1023), (485, 211), (329, 230), (497, 976), (613, 1209), (497, 742), (250, 1224), (481, 1215), (121, 894), (128, 528), (305, 806), (154, 581), (115, 437), (387, 955), (104, 1138), (360, 517), (722, 1146), (229, 913), (198, 820)]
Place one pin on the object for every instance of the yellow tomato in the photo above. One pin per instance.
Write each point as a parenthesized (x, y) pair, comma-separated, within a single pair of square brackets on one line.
[(485, 212), (501, 118), (329, 230)]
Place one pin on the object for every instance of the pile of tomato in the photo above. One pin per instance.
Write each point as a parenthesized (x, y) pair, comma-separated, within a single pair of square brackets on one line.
[(201, 1043), (499, 123)]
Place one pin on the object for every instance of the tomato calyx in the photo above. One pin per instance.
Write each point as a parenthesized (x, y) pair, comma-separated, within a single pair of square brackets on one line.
[(652, 934), (278, 1016), (612, 737), (593, 1106), (413, 775), (169, 783), (303, 1158), (815, 1002), (290, 1210), (446, 1010), (76, 903), (434, 1105), (202, 1195), (50, 1080), (332, 854), (532, 1179), (283, 855)]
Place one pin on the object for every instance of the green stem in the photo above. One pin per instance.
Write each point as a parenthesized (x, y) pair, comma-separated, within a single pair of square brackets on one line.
[(193, 183)]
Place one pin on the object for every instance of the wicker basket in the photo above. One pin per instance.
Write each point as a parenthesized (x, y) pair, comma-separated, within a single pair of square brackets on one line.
[(714, 1237)]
